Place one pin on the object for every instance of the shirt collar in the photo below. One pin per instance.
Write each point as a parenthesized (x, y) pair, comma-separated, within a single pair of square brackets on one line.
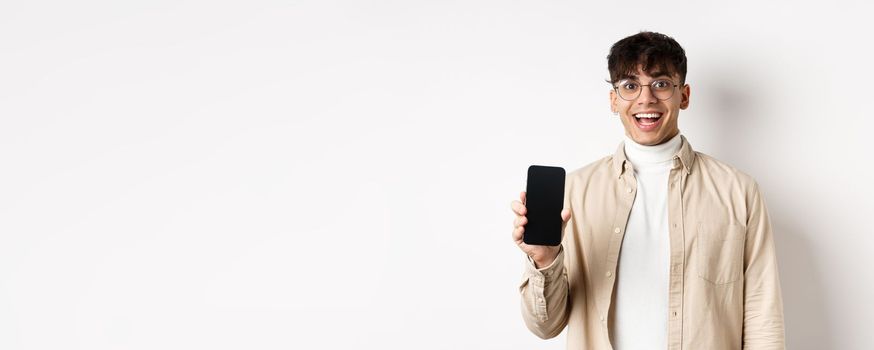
[(685, 157)]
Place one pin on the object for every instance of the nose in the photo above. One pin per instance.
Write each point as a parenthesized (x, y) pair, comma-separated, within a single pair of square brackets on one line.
[(646, 95)]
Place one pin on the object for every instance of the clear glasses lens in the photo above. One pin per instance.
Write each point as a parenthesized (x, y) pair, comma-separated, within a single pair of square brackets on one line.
[(661, 89)]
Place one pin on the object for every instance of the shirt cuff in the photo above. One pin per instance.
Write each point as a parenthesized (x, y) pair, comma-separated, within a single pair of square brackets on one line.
[(547, 273)]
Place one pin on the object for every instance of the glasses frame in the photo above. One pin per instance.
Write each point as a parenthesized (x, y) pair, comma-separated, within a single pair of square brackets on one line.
[(616, 88)]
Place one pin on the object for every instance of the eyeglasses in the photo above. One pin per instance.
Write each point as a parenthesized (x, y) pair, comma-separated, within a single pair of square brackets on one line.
[(629, 90)]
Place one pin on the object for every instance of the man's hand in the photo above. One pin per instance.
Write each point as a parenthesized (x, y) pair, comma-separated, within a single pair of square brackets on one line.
[(543, 255)]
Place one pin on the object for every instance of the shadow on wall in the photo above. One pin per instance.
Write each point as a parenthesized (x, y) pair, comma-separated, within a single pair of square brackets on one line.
[(804, 308), (739, 119)]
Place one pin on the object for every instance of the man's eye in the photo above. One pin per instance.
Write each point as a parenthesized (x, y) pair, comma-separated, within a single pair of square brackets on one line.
[(660, 84), (629, 86)]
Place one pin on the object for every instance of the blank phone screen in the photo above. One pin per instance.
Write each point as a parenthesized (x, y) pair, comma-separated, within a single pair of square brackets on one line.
[(544, 201)]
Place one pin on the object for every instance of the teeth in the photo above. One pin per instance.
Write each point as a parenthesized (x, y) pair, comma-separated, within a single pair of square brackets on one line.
[(647, 115)]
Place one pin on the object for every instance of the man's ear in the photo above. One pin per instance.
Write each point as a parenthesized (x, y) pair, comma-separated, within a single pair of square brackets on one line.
[(684, 103), (613, 107)]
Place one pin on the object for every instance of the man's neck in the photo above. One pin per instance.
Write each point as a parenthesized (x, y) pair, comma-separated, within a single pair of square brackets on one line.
[(642, 155)]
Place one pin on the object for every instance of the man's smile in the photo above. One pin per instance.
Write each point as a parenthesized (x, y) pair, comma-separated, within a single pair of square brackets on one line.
[(647, 121)]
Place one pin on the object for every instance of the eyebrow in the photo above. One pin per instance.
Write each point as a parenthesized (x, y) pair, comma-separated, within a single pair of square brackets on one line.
[(654, 75)]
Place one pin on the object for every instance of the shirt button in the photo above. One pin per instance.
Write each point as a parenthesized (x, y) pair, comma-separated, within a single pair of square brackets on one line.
[(539, 300), (616, 230), (628, 189), (609, 273), (602, 318), (675, 225)]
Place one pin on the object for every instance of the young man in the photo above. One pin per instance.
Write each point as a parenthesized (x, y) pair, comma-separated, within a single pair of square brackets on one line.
[(663, 247)]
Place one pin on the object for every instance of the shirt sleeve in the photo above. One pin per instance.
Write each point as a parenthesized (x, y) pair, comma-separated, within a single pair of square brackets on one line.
[(763, 326), (545, 297)]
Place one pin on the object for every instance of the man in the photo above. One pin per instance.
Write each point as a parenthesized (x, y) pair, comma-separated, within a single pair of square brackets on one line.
[(663, 247)]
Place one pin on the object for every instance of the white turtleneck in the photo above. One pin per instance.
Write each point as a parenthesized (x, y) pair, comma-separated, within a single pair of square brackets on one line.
[(641, 305)]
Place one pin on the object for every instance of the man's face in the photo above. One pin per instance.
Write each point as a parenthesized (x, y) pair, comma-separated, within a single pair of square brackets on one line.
[(650, 131)]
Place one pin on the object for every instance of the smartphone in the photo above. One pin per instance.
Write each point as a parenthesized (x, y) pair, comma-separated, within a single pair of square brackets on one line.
[(544, 201)]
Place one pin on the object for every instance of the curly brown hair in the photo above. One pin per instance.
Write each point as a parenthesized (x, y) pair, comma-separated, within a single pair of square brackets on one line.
[(655, 52)]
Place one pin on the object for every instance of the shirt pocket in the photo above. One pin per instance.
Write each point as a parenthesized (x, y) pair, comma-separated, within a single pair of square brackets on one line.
[(720, 252)]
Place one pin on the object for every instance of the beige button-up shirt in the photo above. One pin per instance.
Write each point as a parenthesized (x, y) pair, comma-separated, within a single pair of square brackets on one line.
[(724, 289)]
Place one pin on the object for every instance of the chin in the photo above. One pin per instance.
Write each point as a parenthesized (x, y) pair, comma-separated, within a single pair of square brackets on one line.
[(647, 140)]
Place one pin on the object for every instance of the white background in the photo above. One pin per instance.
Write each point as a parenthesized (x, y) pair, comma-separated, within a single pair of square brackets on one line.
[(337, 174)]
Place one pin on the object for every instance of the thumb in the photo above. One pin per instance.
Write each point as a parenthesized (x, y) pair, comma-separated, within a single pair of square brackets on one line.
[(565, 215)]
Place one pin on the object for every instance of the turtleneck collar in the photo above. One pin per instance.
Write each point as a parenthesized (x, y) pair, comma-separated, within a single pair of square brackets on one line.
[(641, 155)]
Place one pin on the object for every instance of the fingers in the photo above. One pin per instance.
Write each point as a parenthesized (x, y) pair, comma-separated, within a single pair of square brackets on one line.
[(565, 215), (517, 233), (518, 208), (520, 221)]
